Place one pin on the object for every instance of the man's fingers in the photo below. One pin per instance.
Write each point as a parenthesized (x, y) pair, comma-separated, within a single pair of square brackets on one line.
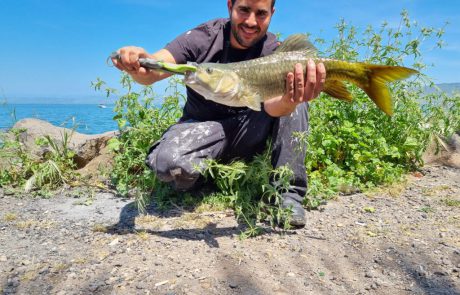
[(299, 83), (310, 82), (129, 60), (320, 79), (290, 86), (134, 61)]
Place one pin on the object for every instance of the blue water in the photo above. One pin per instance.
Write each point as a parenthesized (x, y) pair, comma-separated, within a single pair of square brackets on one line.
[(87, 118)]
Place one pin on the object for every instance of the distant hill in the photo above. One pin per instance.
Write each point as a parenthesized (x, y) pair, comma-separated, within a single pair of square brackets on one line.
[(448, 88)]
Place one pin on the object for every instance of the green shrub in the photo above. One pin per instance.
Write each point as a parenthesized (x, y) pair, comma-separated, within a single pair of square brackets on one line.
[(356, 145), (26, 173)]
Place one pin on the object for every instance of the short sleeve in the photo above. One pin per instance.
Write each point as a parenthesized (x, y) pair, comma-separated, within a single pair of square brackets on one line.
[(191, 45)]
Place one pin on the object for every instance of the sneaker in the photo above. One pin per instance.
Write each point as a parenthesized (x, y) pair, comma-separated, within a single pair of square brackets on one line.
[(298, 213)]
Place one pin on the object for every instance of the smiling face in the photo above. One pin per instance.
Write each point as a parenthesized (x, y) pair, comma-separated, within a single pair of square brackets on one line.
[(249, 21)]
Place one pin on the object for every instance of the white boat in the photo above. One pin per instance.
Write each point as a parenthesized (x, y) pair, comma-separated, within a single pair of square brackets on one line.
[(102, 106)]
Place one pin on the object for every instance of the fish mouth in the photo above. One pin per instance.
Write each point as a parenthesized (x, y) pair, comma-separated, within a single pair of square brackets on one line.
[(190, 78)]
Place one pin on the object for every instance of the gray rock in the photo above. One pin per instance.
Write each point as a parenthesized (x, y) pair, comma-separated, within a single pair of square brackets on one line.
[(86, 147)]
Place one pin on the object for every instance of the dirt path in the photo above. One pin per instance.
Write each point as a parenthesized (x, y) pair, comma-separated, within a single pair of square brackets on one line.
[(410, 244)]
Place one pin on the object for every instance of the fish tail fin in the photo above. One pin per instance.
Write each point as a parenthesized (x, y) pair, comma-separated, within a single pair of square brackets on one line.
[(337, 89), (375, 86)]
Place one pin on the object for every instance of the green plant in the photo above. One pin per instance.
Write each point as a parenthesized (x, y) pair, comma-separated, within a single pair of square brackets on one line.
[(246, 187), (354, 145), (17, 164), (451, 202), (142, 117), (42, 175)]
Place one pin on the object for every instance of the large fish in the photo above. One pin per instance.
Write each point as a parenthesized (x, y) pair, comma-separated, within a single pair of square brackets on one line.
[(248, 83)]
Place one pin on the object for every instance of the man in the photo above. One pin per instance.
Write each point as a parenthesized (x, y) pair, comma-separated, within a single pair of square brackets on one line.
[(210, 130)]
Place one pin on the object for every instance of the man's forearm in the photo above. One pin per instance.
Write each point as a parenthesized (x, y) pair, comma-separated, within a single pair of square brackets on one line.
[(153, 77)]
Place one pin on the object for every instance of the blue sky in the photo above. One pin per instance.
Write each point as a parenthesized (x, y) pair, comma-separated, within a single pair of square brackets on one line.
[(53, 48)]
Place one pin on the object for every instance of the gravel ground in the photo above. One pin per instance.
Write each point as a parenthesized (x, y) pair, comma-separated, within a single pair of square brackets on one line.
[(400, 240)]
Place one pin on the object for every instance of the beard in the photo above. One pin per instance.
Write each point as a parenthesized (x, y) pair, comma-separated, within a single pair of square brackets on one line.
[(241, 41)]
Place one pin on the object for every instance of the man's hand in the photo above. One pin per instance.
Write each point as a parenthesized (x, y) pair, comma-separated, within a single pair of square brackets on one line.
[(129, 62), (299, 88), (302, 88)]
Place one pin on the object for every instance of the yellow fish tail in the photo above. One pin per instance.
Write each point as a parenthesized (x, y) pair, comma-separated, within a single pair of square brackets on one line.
[(375, 86)]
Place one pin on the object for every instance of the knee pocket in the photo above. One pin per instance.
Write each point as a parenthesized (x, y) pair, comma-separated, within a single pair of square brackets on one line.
[(169, 165)]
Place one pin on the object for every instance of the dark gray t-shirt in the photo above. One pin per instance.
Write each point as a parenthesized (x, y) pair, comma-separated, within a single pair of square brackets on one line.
[(210, 42)]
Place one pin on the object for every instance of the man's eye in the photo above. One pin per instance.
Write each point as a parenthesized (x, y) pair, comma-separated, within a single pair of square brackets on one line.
[(244, 10), (262, 14)]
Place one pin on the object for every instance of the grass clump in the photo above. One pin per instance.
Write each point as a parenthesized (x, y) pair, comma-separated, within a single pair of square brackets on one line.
[(451, 202), (10, 216), (39, 176)]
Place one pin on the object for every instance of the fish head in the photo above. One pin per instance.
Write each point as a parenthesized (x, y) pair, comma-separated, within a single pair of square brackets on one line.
[(215, 82)]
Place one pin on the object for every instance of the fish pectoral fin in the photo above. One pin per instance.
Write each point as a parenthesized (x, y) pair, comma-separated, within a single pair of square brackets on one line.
[(252, 100), (337, 89), (226, 84)]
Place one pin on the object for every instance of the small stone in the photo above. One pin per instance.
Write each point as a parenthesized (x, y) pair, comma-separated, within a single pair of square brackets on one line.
[(25, 262), (161, 283), (440, 273), (368, 274), (114, 242), (72, 275), (3, 258), (233, 285), (13, 282), (290, 274), (43, 270)]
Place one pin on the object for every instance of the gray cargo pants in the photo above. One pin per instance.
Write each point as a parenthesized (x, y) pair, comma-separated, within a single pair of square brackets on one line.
[(185, 145)]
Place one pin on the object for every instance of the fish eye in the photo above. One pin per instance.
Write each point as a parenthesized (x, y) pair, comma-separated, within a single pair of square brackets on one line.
[(209, 70)]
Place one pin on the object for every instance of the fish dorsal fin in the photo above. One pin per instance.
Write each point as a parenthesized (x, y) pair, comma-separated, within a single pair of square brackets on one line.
[(297, 42)]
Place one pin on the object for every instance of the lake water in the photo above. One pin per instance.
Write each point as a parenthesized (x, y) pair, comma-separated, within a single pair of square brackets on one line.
[(88, 118)]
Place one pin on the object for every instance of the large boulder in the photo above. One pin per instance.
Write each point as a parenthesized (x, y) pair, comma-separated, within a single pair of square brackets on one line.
[(86, 147)]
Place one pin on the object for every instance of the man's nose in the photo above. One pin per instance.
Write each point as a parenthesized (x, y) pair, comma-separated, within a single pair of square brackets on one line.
[(251, 20)]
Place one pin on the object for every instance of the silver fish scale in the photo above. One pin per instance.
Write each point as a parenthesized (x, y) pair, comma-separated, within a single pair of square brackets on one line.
[(267, 75)]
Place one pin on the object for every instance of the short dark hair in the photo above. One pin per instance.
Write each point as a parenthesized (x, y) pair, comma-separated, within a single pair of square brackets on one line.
[(273, 3)]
